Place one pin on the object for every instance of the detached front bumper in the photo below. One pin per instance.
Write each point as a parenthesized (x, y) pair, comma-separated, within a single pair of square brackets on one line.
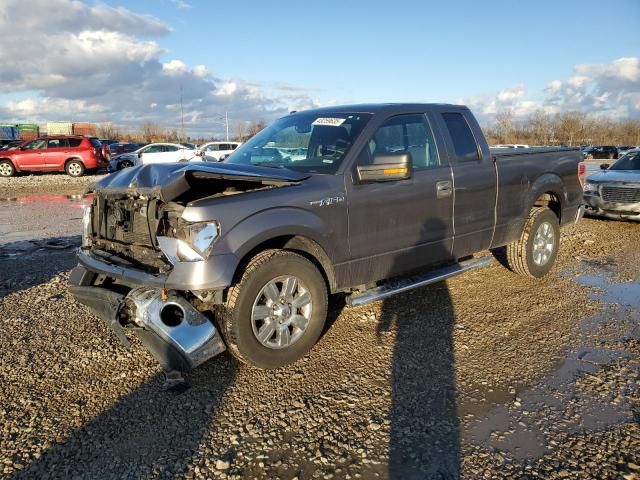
[(178, 335), (596, 206), (215, 273)]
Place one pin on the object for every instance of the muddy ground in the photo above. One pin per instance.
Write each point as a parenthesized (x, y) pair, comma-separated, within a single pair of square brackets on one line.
[(488, 375)]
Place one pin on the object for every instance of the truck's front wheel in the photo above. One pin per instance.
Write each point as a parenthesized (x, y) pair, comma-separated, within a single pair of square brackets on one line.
[(275, 312), (535, 252)]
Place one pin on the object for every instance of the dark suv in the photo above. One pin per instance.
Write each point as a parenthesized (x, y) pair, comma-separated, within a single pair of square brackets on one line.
[(71, 154), (607, 151)]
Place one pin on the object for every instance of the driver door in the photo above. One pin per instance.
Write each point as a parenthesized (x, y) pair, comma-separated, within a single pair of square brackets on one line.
[(32, 155), (400, 225)]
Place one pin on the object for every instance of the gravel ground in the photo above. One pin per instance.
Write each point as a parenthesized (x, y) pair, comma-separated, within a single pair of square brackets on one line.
[(488, 375), (45, 184)]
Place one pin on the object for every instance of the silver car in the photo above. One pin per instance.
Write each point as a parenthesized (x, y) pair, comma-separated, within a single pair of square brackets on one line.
[(615, 191)]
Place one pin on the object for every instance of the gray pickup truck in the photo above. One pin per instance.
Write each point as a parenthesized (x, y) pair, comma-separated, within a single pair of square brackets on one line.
[(364, 200)]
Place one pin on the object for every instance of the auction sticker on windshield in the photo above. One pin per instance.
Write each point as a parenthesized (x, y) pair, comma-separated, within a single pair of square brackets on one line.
[(334, 122)]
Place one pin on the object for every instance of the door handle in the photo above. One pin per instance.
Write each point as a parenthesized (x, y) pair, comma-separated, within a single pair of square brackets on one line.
[(444, 189)]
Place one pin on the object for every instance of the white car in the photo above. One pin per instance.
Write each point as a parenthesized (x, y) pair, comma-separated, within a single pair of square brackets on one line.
[(165, 153), (218, 150)]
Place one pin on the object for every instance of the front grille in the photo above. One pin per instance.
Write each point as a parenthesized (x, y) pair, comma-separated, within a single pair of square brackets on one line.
[(620, 194)]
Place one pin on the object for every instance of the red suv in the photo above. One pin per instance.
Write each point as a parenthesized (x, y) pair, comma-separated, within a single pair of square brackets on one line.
[(73, 154)]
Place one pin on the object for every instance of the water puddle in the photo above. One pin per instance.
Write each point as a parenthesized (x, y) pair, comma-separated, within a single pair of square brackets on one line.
[(77, 201), (570, 399)]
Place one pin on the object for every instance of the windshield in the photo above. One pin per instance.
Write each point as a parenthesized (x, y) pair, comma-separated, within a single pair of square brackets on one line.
[(309, 143), (630, 161)]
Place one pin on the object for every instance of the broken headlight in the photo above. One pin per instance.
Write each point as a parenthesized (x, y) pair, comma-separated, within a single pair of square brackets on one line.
[(191, 243), (590, 187), (87, 212)]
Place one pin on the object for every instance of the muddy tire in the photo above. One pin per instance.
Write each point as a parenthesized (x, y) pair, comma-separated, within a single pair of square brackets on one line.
[(535, 252), (74, 168), (7, 169), (275, 311)]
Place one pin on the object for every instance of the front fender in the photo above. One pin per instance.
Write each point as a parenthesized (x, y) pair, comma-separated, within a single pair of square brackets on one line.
[(276, 222)]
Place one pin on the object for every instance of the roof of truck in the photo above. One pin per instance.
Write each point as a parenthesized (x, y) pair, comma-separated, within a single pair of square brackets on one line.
[(379, 107)]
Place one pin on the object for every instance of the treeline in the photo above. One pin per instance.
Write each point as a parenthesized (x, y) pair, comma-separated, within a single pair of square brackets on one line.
[(570, 128), (150, 132), (539, 128)]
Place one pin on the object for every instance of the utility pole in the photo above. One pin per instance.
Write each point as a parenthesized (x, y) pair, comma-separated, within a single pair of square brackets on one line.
[(226, 121), (181, 116)]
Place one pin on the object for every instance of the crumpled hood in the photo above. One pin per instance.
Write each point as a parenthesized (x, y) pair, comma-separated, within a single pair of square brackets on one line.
[(170, 180), (616, 176)]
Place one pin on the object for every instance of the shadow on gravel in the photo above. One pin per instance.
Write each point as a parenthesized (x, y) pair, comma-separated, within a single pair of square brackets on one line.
[(147, 433), (424, 439), (28, 263)]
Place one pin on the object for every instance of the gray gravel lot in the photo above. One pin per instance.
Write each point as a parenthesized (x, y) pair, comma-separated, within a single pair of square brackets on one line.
[(488, 375)]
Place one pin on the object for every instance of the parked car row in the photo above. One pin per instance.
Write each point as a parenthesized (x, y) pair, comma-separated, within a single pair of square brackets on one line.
[(72, 154), (609, 152)]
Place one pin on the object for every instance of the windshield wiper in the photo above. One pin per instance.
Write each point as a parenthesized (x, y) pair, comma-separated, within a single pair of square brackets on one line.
[(269, 164)]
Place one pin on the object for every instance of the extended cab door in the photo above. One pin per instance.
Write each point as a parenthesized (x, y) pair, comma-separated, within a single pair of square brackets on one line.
[(474, 176), (400, 225)]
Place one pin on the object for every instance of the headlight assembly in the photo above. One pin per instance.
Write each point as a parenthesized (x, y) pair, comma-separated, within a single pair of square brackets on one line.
[(192, 242), (590, 187)]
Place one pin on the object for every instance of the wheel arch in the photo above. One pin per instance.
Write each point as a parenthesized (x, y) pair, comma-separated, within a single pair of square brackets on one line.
[(300, 244), (548, 190)]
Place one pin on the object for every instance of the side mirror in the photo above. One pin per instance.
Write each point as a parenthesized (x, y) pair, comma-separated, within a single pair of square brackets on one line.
[(604, 166), (139, 154), (387, 167)]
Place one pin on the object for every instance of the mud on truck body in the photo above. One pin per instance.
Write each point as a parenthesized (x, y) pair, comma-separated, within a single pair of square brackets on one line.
[(377, 200)]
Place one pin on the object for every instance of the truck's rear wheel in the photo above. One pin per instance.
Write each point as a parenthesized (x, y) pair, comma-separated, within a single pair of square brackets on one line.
[(535, 252), (275, 312)]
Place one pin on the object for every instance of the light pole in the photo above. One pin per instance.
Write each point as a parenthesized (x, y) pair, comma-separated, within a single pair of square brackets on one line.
[(224, 120)]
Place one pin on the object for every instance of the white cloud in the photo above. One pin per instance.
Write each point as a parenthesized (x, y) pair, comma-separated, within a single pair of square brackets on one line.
[(181, 4), (174, 67), (103, 64), (611, 89)]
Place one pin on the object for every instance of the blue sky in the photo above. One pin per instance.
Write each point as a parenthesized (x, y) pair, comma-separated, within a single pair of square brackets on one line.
[(402, 50), (127, 61)]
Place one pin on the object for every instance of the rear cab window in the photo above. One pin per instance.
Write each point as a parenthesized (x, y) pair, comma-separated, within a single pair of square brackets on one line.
[(464, 143)]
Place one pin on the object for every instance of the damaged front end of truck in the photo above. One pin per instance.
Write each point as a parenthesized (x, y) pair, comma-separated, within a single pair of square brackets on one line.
[(144, 268)]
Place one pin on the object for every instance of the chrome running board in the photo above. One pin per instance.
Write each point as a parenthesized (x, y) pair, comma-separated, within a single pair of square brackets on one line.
[(405, 284)]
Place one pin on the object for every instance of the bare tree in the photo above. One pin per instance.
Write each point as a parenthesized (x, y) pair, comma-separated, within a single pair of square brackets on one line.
[(107, 130), (151, 132), (255, 127), (505, 126)]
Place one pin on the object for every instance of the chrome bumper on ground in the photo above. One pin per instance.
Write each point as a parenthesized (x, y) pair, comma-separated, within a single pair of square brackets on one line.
[(174, 331)]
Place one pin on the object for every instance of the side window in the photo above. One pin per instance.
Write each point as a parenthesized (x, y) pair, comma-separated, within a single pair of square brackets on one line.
[(233, 146), (169, 148), (57, 143), (406, 133), (463, 142), (225, 146), (36, 145), (213, 148), (75, 142), (153, 149)]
